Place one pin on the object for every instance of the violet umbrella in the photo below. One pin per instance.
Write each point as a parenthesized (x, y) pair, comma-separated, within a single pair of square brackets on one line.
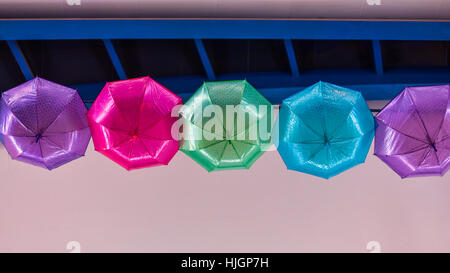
[(44, 123), (413, 134), (131, 123)]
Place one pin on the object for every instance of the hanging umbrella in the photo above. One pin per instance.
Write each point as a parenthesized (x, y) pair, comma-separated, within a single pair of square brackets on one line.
[(239, 135), (131, 123), (324, 130), (44, 123), (413, 133)]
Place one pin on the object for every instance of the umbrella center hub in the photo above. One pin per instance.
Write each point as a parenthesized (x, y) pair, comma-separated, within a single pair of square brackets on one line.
[(38, 137), (326, 141), (134, 134), (433, 145)]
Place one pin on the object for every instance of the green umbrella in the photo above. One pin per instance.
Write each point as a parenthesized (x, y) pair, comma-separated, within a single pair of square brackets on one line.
[(226, 125)]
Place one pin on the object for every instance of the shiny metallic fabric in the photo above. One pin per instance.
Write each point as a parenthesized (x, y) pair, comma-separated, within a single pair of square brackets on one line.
[(324, 130), (413, 133), (44, 123), (131, 123), (233, 142)]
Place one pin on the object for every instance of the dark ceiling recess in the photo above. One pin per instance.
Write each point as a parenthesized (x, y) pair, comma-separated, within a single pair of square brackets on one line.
[(10, 74), (416, 53), (159, 58), (330, 54), (69, 61), (231, 56)]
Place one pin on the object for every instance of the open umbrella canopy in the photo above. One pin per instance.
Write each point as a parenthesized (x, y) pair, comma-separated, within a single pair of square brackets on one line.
[(324, 130), (226, 125), (131, 123), (413, 133), (44, 123)]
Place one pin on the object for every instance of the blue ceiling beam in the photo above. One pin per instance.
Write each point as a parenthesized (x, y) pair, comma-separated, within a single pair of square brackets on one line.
[(278, 85), (291, 57), (205, 59), (377, 57), (115, 59), (20, 59), (224, 29)]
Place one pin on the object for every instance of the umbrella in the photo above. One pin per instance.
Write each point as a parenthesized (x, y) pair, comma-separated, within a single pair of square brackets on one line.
[(44, 123), (131, 122), (413, 133), (239, 135), (324, 130)]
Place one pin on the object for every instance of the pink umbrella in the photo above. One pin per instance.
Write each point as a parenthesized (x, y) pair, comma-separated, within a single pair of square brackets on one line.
[(131, 123)]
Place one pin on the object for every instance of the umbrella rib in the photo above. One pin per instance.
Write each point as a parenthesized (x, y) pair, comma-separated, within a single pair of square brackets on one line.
[(118, 109), (234, 148), (153, 157), (129, 154), (155, 103), (212, 144), (23, 125), (306, 142), (145, 147), (420, 118), (109, 128), (323, 120), (223, 152), (42, 155), (153, 138), (25, 150), (66, 132), (64, 149), (348, 116), (418, 139), (340, 141), (240, 104), (36, 86), (209, 95), (118, 144), (156, 122), (314, 154), (163, 115), (240, 156), (424, 157), (202, 128), (307, 126), (443, 119), (62, 110), (243, 141), (409, 152), (443, 139), (249, 127), (120, 131), (437, 158), (141, 105)]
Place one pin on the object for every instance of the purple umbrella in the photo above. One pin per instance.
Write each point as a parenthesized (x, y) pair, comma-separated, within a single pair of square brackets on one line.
[(44, 123), (413, 134)]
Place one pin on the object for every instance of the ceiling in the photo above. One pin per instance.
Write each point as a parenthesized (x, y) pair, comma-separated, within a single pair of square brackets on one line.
[(343, 9)]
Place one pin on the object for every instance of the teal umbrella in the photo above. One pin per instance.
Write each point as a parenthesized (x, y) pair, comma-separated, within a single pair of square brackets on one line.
[(324, 130)]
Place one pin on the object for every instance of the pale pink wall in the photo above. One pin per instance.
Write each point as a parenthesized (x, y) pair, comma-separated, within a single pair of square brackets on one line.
[(181, 207)]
